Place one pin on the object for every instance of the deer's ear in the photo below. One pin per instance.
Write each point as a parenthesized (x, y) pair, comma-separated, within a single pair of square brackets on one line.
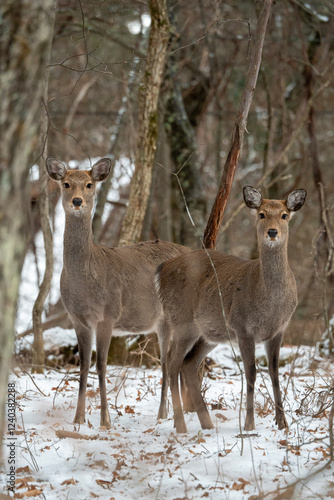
[(101, 169), (56, 169), (252, 197), (295, 200)]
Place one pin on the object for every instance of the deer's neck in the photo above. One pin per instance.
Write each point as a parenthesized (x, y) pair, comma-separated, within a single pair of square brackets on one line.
[(78, 244), (274, 267)]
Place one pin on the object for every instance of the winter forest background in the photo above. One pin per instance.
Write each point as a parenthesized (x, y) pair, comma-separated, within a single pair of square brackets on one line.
[(72, 76)]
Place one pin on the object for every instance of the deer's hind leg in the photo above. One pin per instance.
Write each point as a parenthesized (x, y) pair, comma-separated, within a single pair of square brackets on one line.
[(188, 405), (181, 344), (85, 338), (190, 369), (103, 337), (164, 334)]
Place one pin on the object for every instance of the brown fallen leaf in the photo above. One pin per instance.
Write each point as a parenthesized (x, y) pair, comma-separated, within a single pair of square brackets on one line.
[(25, 469), (285, 493), (241, 485), (31, 493), (221, 416), (22, 481), (106, 485), (69, 481)]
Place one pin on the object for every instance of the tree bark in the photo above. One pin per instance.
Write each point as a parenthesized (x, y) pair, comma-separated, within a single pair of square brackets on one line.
[(183, 146), (218, 209), (148, 123), (38, 347), (26, 28)]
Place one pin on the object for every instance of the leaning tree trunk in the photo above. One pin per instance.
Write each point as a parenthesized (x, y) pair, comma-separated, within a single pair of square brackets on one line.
[(218, 209), (26, 28), (147, 123)]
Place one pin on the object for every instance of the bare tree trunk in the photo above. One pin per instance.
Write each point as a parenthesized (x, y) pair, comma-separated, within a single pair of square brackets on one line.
[(26, 28), (325, 242), (183, 146), (38, 347), (148, 123), (218, 209)]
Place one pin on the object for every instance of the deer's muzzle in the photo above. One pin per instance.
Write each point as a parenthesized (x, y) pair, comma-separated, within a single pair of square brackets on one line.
[(272, 233), (77, 202)]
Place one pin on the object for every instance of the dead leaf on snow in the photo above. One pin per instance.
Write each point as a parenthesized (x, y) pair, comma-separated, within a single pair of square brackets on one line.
[(286, 493), (31, 493), (106, 485), (148, 430), (221, 416), (22, 481), (25, 470), (69, 481), (99, 463), (241, 485)]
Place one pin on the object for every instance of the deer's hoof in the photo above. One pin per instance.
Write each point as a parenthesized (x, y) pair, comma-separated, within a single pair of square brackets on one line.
[(162, 415), (79, 419), (208, 425), (281, 422), (181, 428), (249, 424), (105, 421)]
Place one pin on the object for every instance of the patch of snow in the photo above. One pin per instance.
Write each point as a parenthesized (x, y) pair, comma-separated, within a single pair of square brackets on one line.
[(141, 458)]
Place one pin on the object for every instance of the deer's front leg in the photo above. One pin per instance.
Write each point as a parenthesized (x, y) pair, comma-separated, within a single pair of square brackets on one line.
[(84, 336), (103, 337), (247, 349), (273, 347)]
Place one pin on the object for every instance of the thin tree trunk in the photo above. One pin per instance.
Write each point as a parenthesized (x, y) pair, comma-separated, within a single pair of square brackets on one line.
[(183, 146), (26, 28), (148, 123), (38, 347), (218, 209), (325, 244)]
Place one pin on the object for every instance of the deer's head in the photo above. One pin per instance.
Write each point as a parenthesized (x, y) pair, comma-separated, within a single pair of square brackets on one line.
[(273, 215), (78, 187)]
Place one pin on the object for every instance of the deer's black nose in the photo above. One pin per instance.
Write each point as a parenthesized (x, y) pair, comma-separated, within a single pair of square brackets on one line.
[(77, 202), (272, 233)]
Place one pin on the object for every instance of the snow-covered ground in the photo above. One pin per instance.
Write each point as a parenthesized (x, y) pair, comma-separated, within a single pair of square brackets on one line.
[(142, 458)]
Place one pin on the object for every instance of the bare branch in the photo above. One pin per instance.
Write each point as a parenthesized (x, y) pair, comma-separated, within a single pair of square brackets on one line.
[(218, 209)]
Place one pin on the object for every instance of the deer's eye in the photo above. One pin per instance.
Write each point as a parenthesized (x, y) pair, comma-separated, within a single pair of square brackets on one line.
[(66, 185), (89, 186), (261, 215), (284, 216)]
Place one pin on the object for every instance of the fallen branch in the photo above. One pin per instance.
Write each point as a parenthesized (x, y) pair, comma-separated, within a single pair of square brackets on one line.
[(55, 320), (62, 434)]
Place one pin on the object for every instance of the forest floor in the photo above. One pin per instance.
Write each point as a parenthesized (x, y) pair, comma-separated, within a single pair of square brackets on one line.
[(140, 458)]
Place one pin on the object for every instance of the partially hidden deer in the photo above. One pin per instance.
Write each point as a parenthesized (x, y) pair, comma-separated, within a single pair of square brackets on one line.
[(106, 290), (210, 297)]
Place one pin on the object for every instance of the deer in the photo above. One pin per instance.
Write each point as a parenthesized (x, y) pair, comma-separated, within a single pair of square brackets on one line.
[(210, 297), (106, 290)]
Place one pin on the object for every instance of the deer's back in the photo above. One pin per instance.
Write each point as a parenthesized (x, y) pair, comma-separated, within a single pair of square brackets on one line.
[(118, 283)]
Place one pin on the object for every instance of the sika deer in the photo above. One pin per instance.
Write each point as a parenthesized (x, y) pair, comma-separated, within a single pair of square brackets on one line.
[(106, 289), (258, 296)]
